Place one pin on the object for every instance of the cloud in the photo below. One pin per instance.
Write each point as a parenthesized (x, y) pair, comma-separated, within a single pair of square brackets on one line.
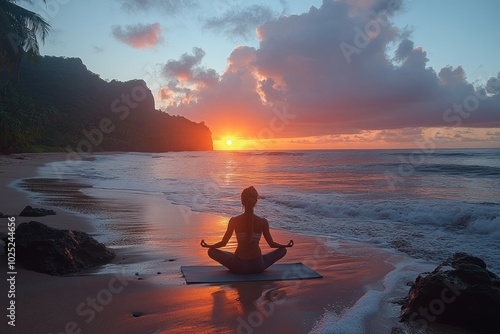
[(464, 135), (240, 22), (139, 36), (329, 71), (168, 7), (494, 136), (185, 77), (493, 85), (409, 135), (450, 76), (367, 7)]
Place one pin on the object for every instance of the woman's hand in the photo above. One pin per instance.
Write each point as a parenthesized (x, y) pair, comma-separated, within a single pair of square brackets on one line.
[(290, 244), (204, 244)]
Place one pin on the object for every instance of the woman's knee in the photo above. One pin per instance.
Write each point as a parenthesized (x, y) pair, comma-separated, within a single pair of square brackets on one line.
[(283, 251), (211, 252), (278, 253)]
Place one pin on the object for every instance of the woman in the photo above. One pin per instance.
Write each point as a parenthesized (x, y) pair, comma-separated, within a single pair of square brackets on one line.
[(248, 258)]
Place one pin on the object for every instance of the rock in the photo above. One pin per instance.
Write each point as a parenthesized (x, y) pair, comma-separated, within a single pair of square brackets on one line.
[(460, 292), (36, 212), (3, 216), (136, 314), (397, 330), (58, 252)]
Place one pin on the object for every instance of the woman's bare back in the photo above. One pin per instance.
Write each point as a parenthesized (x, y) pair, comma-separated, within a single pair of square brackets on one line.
[(247, 250)]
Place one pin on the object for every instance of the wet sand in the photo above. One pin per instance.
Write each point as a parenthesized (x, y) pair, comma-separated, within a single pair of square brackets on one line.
[(143, 291)]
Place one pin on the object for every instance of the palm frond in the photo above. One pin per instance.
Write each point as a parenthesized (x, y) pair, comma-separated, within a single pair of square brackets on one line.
[(22, 19), (20, 30)]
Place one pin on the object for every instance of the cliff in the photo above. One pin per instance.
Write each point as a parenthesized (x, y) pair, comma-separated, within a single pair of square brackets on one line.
[(61, 104)]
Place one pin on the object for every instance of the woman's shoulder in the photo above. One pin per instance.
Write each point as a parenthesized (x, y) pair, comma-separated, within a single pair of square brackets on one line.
[(261, 220), (237, 218), (241, 220)]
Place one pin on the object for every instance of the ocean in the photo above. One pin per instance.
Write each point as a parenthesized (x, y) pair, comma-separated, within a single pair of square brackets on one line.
[(425, 204), (419, 206)]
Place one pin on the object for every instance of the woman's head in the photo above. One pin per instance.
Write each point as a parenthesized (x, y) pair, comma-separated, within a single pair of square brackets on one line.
[(249, 197)]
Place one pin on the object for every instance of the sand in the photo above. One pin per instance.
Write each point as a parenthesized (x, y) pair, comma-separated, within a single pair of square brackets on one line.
[(143, 290)]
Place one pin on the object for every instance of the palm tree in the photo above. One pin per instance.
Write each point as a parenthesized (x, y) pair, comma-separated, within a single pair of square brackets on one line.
[(20, 30)]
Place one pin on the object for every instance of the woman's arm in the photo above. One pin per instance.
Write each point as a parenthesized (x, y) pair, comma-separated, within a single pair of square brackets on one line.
[(225, 238), (269, 238)]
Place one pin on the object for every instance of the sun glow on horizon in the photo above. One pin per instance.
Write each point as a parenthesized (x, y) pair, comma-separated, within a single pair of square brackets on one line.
[(227, 143), (230, 143), (371, 139)]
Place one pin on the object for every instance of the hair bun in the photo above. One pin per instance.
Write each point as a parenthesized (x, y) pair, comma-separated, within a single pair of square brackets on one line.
[(249, 197), (251, 201)]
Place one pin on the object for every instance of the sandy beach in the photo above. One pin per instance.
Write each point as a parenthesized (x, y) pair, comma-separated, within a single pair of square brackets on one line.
[(364, 133), (143, 291)]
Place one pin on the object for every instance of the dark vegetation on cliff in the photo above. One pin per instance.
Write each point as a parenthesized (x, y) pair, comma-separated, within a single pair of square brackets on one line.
[(58, 104)]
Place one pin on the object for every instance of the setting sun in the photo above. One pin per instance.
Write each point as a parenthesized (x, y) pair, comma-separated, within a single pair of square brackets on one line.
[(229, 142)]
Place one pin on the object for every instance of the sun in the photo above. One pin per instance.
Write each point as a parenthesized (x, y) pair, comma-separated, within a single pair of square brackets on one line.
[(229, 142)]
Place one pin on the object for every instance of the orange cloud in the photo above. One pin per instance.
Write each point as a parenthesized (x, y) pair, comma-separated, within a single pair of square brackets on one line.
[(300, 82)]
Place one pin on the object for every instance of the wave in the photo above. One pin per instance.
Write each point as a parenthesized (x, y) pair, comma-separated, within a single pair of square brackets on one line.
[(426, 229), (426, 215), (464, 170), (276, 153), (353, 319), (451, 153), (414, 212)]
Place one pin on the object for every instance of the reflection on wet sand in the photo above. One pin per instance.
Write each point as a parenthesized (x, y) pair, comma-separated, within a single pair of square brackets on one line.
[(153, 236)]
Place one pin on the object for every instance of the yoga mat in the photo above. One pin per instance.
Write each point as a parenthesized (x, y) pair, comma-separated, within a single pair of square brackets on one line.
[(220, 274)]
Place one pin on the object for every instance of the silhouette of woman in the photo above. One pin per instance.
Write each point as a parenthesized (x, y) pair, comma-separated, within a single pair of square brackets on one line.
[(248, 257)]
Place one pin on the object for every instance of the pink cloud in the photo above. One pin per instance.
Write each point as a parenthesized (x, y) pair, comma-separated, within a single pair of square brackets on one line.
[(302, 75), (139, 36)]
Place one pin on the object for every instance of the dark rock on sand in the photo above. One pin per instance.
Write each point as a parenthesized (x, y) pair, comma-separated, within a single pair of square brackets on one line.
[(3, 216), (36, 212), (58, 252), (460, 292)]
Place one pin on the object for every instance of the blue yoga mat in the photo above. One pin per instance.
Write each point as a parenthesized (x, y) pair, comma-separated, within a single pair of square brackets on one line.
[(220, 274)]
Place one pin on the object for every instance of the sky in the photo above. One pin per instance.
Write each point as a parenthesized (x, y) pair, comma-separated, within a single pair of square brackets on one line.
[(290, 74)]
